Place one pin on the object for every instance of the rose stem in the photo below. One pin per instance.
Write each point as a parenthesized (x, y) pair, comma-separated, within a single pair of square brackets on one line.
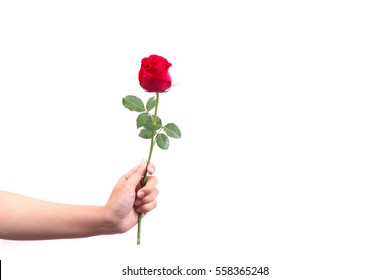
[(152, 142)]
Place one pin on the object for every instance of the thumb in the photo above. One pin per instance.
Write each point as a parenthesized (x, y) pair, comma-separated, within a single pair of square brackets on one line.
[(135, 175)]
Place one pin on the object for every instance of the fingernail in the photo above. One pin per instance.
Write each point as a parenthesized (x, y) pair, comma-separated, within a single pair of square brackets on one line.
[(142, 163), (138, 203), (141, 194), (151, 169)]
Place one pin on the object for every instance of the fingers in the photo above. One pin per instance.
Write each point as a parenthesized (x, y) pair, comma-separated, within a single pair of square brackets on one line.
[(151, 168), (147, 207), (140, 169), (134, 176), (146, 196)]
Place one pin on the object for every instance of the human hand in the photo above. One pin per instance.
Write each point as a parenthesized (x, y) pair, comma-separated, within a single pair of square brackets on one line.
[(129, 198)]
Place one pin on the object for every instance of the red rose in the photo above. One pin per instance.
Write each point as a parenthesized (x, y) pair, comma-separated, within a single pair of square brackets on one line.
[(153, 75)]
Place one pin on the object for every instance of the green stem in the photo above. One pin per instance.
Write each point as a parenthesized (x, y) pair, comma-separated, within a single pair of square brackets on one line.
[(152, 142)]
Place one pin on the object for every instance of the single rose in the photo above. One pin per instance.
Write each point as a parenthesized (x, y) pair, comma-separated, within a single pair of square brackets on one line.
[(153, 75)]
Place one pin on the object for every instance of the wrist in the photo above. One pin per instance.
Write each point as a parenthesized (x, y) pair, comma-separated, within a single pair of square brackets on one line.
[(108, 222), (112, 223)]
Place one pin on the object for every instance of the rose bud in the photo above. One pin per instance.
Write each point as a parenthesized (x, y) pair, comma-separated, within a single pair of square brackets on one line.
[(153, 75)]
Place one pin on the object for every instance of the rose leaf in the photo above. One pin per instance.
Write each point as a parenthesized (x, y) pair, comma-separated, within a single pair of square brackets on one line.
[(142, 119), (151, 103), (172, 130), (133, 103), (146, 133), (149, 123), (162, 141)]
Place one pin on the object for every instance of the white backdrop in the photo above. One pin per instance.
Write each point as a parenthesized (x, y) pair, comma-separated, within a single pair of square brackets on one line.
[(284, 112)]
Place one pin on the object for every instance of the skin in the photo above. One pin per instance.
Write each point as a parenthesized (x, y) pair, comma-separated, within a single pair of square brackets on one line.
[(26, 218)]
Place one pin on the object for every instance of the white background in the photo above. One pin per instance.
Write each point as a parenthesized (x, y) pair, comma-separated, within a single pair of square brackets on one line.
[(284, 111)]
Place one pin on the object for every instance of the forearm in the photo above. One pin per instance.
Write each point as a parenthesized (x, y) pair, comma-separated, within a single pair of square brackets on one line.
[(25, 218)]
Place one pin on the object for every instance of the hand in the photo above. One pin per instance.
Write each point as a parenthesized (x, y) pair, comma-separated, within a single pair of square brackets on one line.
[(129, 198)]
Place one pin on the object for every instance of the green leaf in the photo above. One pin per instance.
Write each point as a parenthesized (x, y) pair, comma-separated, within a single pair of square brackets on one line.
[(146, 133), (133, 103), (142, 119), (162, 141), (172, 130), (151, 103), (149, 123)]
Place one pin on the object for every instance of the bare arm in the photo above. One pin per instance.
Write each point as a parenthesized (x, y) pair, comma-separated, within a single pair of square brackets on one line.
[(26, 218)]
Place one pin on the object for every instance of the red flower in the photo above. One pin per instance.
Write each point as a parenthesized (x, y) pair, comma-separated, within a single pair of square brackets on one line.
[(153, 75)]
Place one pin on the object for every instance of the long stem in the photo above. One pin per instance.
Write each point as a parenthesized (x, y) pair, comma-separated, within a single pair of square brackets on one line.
[(152, 142)]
